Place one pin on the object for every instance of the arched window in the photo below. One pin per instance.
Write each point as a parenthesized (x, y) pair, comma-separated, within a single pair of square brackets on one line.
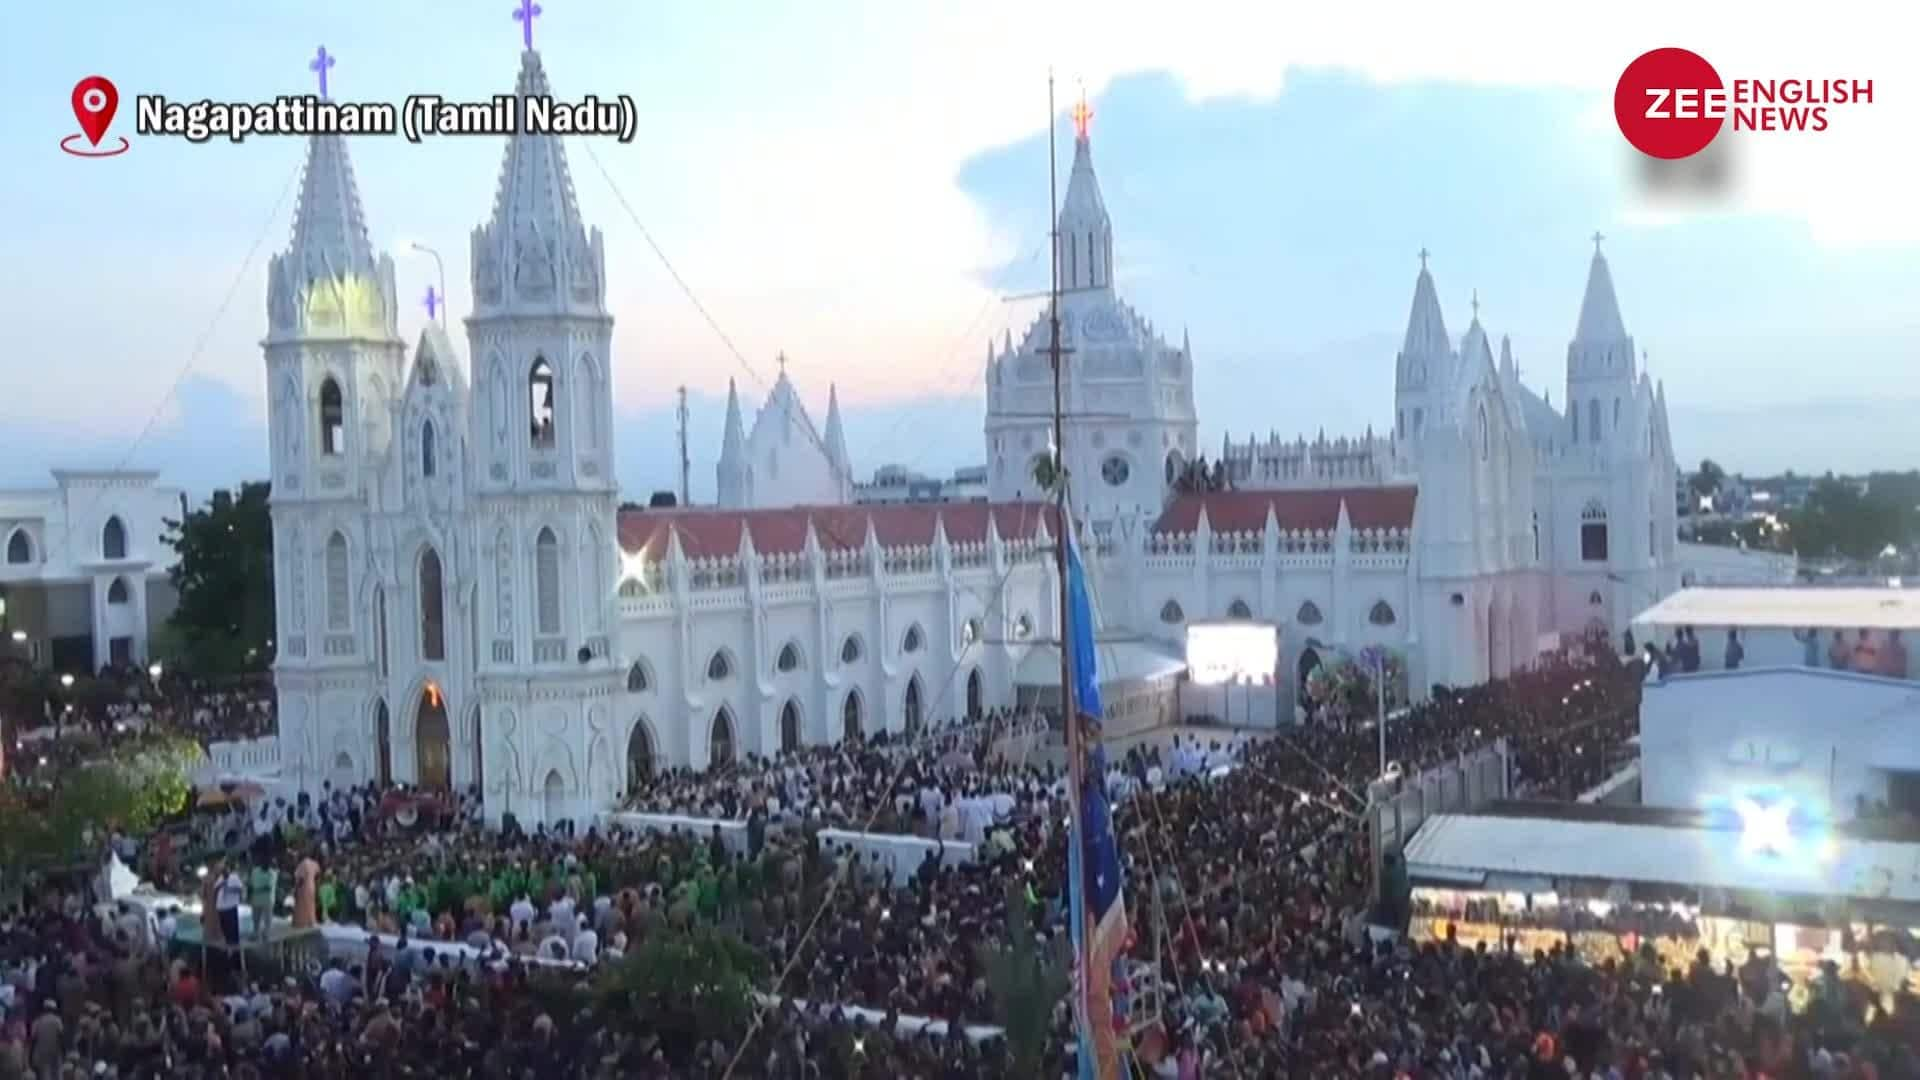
[(540, 402), (1022, 627), (639, 754), (970, 632), (1536, 536), (1593, 420), (1573, 416), (1593, 532), (1419, 416), (790, 726), (1175, 466), (338, 592), (789, 658), (719, 667), (1309, 614), (637, 678), (1239, 610), (1616, 412), (546, 582), (113, 539), (1382, 614), (1400, 425), (19, 547), (117, 592), (380, 627), (433, 628), (1486, 437), (333, 419), (912, 709), (850, 649), (426, 448), (1171, 614), (914, 640), (850, 722), (720, 741), (1594, 598)]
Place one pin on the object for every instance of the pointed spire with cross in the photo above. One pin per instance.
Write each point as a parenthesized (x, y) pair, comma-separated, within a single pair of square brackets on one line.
[(1476, 305), (1423, 258), (434, 301), (1082, 117), (1597, 237)]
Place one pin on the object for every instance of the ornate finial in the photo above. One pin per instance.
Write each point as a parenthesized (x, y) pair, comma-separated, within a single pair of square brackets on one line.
[(433, 301), (1476, 305), (322, 60), (524, 15), (1082, 116), (782, 361), (1597, 237), (1423, 258)]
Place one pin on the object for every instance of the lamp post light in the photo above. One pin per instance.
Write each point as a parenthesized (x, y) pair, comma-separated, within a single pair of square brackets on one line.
[(441, 266), (66, 681)]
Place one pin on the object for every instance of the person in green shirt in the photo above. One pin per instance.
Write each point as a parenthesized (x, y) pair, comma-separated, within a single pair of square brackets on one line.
[(263, 889), (329, 895)]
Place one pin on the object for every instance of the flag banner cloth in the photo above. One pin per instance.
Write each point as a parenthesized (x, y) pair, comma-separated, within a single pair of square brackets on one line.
[(1099, 905)]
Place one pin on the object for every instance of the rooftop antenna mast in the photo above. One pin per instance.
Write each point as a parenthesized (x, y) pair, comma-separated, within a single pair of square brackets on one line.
[(686, 463)]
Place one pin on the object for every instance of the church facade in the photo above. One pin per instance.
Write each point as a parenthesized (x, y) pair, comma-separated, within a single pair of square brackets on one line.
[(461, 602)]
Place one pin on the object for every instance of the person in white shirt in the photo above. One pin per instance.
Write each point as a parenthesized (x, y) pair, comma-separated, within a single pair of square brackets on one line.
[(522, 912), (226, 900), (586, 943)]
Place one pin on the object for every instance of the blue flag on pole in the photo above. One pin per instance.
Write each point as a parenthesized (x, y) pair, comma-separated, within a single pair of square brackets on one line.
[(1099, 903)]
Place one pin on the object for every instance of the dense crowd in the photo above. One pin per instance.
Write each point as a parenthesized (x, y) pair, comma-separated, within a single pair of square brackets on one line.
[(1248, 882)]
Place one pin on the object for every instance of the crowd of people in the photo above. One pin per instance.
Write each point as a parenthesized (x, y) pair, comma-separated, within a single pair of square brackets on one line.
[(1248, 881)]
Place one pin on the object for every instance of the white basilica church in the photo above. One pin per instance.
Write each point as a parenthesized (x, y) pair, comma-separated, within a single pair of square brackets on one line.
[(461, 602)]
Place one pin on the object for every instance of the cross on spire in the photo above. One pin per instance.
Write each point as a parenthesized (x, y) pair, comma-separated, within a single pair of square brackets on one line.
[(524, 15), (322, 60), (782, 361), (1423, 258), (1082, 116), (1597, 237), (433, 301), (1476, 305)]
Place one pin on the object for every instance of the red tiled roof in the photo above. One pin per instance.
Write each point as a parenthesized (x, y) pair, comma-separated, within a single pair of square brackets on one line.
[(709, 533), (1246, 511)]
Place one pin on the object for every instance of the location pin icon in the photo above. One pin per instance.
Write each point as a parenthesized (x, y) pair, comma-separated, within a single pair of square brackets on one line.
[(94, 100)]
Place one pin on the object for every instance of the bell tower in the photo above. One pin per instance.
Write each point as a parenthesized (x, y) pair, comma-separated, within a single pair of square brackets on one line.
[(544, 496)]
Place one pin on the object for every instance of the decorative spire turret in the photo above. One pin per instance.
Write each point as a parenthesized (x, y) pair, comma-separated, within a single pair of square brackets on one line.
[(732, 474), (329, 282), (1086, 233), (535, 255), (1600, 322), (836, 440)]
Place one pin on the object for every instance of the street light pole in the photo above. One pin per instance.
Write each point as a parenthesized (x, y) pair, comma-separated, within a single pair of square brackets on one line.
[(441, 266)]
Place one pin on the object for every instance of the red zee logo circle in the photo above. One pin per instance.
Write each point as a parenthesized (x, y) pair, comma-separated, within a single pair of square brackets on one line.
[(1670, 83)]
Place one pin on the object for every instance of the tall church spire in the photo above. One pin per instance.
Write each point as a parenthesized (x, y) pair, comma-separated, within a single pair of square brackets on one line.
[(1426, 327), (1086, 233), (535, 255), (1600, 323), (329, 282), (836, 440), (732, 474)]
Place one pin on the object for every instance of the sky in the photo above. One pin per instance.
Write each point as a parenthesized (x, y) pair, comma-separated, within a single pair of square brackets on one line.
[(862, 186)]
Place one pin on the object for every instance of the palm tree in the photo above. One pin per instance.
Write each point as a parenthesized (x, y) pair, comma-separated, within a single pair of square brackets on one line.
[(1027, 979)]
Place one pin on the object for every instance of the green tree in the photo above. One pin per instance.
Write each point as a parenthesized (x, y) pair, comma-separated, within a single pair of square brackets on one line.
[(224, 576), (693, 985), (1027, 981), (1707, 479), (59, 821), (1839, 518)]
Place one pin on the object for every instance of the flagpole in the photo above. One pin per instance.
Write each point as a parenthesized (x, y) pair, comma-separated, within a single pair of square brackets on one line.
[(1076, 750)]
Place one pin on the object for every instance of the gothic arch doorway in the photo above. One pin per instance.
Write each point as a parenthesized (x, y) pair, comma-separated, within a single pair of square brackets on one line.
[(433, 755), (553, 796), (1309, 660), (383, 743), (790, 726), (912, 710), (639, 755), (976, 695), (851, 725), (720, 740)]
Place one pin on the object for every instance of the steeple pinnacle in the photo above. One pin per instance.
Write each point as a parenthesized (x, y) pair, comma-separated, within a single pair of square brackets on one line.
[(733, 474), (1426, 329), (1600, 322), (836, 440), (329, 281), (535, 256), (1085, 232)]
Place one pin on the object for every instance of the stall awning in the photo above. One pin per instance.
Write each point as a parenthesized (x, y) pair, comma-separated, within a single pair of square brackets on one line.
[(1789, 608), (1451, 845), (1118, 662)]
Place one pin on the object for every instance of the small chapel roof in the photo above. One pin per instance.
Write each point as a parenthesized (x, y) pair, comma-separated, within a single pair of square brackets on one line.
[(1314, 508), (710, 533)]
